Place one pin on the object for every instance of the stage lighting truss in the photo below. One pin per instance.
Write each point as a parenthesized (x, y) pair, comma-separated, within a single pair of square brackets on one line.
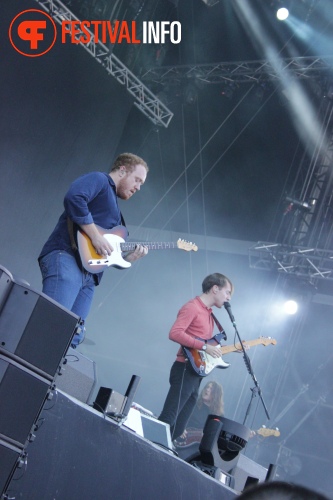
[(311, 263), (240, 72), (145, 100)]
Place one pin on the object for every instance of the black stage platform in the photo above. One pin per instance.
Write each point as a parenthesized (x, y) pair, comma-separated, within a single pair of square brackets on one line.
[(80, 454)]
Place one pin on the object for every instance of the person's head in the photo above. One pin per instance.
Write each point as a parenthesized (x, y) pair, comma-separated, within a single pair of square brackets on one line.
[(212, 396), (218, 289), (279, 490), (128, 172)]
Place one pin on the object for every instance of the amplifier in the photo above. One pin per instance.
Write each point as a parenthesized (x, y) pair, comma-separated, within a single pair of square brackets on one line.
[(78, 376)]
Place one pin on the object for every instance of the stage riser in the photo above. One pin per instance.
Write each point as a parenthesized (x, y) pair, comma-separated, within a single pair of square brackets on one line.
[(78, 453)]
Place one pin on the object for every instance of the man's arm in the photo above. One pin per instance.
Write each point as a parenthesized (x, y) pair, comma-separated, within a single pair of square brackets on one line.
[(178, 332), (80, 193)]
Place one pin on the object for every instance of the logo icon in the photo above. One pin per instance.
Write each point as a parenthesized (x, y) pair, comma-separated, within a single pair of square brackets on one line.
[(32, 33)]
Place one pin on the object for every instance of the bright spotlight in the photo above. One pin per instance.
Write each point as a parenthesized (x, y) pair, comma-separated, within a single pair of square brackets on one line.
[(290, 307), (282, 14)]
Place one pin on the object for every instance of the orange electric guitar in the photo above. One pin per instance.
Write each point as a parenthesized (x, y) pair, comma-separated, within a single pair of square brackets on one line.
[(202, 363)]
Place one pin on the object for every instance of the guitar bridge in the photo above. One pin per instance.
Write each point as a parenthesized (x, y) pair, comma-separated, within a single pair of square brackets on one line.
[(98, 262)]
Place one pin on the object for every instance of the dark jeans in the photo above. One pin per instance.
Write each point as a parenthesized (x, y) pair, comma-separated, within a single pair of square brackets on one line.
[(64, 282), (181, 398)]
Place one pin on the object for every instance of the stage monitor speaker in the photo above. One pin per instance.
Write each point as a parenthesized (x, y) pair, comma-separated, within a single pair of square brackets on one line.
[(77, 376), (114, 404), (246, 472), (109, 402), (9, 459), (36, 329), (216, 473), (22, 395)]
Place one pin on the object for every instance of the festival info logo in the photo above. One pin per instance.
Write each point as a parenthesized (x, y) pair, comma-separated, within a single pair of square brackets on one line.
[(32, 33)]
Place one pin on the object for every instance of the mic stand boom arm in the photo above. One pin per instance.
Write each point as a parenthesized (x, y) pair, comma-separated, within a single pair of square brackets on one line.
[(255, 390)]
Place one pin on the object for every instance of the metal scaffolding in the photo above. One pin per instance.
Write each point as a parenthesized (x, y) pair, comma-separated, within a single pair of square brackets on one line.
[(302, 262), (303, 244), (145, 100), (240, 72)]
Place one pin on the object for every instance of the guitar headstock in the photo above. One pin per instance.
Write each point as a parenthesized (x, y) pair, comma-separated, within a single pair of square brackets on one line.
[(268, 432), (267, 341), (186, 245)]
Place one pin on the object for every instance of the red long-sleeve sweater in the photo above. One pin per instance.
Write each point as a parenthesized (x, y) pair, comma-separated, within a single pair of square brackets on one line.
[(194, 320)]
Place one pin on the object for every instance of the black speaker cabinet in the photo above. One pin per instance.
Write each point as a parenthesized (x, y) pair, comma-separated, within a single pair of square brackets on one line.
[(34, 327), (6, 283), (22, 396), (9, 459)]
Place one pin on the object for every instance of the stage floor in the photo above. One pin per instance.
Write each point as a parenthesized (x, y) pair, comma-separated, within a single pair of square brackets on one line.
[(80, 454)]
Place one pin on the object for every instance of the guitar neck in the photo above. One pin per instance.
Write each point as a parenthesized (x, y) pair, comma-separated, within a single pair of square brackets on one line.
[(129, 246), (237, 347)]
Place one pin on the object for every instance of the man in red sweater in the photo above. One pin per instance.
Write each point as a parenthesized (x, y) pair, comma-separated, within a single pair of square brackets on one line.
[(193, 327)]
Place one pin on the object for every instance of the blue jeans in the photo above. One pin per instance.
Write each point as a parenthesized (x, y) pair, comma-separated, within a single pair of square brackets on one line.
[(66, 283), (181, 398)]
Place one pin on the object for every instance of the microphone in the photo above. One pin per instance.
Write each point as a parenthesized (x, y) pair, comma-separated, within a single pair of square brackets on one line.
[(228, 309)]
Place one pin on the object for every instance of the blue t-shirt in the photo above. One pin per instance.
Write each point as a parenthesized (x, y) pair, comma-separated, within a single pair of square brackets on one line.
[(90, 198)]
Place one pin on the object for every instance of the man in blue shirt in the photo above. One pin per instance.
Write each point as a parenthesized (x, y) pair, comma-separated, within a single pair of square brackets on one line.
[(91, 201)]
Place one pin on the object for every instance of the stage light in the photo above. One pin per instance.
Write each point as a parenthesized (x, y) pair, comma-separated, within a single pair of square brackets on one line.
[(282, 13), (228, 92), (190, 93), (303, 205), (259, 92), (290, 307), (222, 441)]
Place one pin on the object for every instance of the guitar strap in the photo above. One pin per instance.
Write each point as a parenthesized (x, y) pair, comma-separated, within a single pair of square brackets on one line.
[(219, 326), (70, 227), (123, 222)]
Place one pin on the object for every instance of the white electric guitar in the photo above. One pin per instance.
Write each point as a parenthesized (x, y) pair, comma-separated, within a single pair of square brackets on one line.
[(95, 263)]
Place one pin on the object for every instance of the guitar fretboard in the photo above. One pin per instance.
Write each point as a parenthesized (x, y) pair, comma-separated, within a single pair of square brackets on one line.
[(128, 246)]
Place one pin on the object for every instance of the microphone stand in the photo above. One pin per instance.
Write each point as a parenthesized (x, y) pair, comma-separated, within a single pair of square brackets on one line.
[(256, 389)]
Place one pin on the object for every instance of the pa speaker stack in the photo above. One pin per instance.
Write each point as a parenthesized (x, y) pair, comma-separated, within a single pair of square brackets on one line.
[(35, 333)]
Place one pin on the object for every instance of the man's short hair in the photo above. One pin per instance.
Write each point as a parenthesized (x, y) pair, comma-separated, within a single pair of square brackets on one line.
[(216, 279), (128, 160)]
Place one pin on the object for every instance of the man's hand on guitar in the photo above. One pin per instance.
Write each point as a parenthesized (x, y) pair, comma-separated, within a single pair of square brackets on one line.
[(140, 251), (101, 245), (214, 350)]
